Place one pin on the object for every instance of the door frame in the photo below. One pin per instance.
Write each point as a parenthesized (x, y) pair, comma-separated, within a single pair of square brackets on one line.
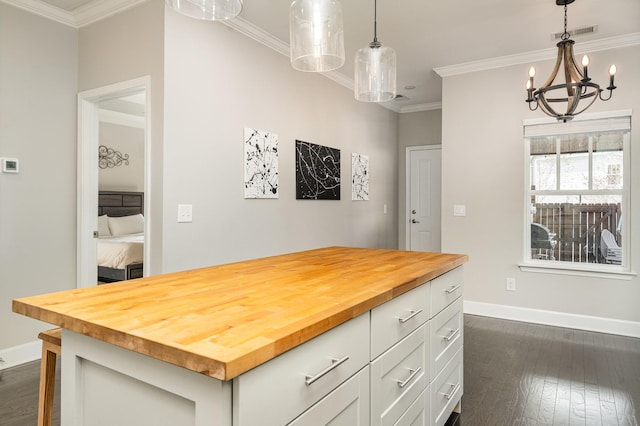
[(407, 188), (87, 186)]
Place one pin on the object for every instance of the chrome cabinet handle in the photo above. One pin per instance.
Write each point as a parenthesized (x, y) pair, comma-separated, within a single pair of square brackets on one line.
[(452, 289), (452, 391), (334, 364), (451, 335), (412, 374), (411, 315)]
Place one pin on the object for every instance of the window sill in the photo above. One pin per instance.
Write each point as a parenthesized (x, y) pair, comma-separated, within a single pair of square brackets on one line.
[(545, 267)]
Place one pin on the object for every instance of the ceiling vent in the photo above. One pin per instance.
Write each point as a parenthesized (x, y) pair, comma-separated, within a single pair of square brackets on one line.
[(576, 32)]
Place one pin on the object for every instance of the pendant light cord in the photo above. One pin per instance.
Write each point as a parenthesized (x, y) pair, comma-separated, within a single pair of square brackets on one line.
[(375, 43)]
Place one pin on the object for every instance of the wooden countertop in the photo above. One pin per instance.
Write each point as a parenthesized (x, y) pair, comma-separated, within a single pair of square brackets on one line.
[(224, 320)]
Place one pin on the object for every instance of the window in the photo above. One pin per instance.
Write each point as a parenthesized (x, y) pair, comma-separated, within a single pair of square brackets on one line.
[(577, 192)]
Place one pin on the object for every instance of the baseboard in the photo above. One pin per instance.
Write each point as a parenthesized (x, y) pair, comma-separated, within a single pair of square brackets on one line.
[(21, 354), (558, 319)]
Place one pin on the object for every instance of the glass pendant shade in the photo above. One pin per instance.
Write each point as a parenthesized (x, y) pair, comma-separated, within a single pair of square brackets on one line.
[(207, 10), (316, 35), (375, 73)]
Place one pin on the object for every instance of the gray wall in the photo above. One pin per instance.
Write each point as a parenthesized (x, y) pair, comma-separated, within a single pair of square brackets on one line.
[(415, 129), (126, 140), (483, 167), (218, 82), (38, 126)]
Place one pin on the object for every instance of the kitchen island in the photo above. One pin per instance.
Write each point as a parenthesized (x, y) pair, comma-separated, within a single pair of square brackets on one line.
[(260, 342)]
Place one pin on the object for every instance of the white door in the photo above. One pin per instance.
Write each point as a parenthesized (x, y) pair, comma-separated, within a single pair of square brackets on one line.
[(423, 198)]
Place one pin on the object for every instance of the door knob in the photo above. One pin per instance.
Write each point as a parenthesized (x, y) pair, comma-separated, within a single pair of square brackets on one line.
[(415, 221)]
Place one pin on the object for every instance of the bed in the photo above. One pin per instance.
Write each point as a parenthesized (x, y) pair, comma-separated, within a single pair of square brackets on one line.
[(120, 235)]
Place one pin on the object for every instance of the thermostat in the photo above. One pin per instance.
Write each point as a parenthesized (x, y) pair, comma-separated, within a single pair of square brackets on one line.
[(10, 165)]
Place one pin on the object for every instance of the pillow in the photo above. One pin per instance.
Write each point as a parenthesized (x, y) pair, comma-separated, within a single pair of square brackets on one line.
[(126, 225), (103, 226)]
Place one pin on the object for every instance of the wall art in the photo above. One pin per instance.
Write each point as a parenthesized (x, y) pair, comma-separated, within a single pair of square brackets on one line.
[(260, 164), (359, 177), (317, 172)]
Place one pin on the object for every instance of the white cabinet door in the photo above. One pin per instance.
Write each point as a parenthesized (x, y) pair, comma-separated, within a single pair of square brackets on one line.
[(348, 405)]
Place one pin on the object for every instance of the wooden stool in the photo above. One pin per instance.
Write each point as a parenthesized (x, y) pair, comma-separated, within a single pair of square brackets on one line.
[(51, 348)]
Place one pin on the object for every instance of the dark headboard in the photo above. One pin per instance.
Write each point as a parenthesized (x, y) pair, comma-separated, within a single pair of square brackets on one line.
[(120, 203)]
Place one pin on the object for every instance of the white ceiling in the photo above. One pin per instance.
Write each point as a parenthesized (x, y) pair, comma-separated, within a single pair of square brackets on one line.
[(427, 34)]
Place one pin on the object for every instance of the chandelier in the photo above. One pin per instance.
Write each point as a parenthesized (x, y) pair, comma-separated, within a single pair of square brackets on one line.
[(578, 87)]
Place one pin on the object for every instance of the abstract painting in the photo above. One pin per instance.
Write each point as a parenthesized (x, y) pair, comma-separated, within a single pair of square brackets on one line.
[(359, 177), (260, 164), (317, 172)]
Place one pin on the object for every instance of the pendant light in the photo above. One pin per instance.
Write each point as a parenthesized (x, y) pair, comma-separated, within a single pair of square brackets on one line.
[(375, 69), (316, 35), (207, 10), (576, 88)]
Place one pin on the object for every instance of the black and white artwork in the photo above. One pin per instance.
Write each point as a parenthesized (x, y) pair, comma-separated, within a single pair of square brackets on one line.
[(359, 177), (317, 172), (260, 164)]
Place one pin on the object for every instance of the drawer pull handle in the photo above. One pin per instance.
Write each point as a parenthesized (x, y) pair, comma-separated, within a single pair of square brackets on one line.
[(452, 289), (451, 335), (452, 391), (411, 315), (412, 374), (334, 364)]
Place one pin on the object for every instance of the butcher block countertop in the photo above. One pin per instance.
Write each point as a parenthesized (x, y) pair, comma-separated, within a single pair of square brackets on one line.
[(224, 320)]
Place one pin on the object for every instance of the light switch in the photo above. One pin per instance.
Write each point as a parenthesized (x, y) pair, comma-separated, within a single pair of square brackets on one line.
[(185, 213), (459, 210), (10, 165)]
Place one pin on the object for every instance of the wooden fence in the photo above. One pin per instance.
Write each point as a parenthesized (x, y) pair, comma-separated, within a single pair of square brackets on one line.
[(578, 228)]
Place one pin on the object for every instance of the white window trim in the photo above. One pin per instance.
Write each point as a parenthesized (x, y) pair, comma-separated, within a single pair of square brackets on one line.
[(532, 127)]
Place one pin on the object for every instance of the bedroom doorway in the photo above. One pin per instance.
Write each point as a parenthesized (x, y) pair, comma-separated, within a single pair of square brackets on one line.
[(121, 110)]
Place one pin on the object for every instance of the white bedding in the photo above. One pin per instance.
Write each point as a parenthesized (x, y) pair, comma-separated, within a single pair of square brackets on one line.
[(118, 252)]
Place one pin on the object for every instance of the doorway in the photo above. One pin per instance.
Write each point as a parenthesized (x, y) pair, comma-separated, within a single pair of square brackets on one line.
[(423, 186), (89, 111)]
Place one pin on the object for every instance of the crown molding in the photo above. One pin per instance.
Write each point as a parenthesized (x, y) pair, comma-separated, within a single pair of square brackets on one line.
[(421, 107), (610, 43), (82, 16)]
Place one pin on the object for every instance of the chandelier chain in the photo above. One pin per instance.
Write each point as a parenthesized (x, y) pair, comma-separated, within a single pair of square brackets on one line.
[(565, 35)]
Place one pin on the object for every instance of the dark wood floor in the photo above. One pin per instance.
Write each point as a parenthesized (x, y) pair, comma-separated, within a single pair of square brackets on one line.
[(514, 374), (526, 374)]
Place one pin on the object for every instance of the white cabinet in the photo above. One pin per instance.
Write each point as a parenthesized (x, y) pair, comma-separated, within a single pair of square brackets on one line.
[(399, 376), (447, 329), (446, 390), (278, 391), (348, 405)]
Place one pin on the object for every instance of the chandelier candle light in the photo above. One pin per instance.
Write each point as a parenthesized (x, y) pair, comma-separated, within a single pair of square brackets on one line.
[(316, 35), (578, 86), (207, 10), (375, 69)]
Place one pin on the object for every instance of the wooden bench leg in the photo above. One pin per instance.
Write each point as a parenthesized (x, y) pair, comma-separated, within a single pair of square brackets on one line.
[(47, 383)]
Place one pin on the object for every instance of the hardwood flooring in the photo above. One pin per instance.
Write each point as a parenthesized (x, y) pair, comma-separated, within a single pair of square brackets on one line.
[(514, 374), (526, 374)]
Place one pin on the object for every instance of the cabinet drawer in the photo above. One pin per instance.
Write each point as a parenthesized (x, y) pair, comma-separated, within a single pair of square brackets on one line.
[(446, 336), (348, 405), (399, 376), (418, 413), (392, 321), (446, 390), (276, 392), (445, 289)]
